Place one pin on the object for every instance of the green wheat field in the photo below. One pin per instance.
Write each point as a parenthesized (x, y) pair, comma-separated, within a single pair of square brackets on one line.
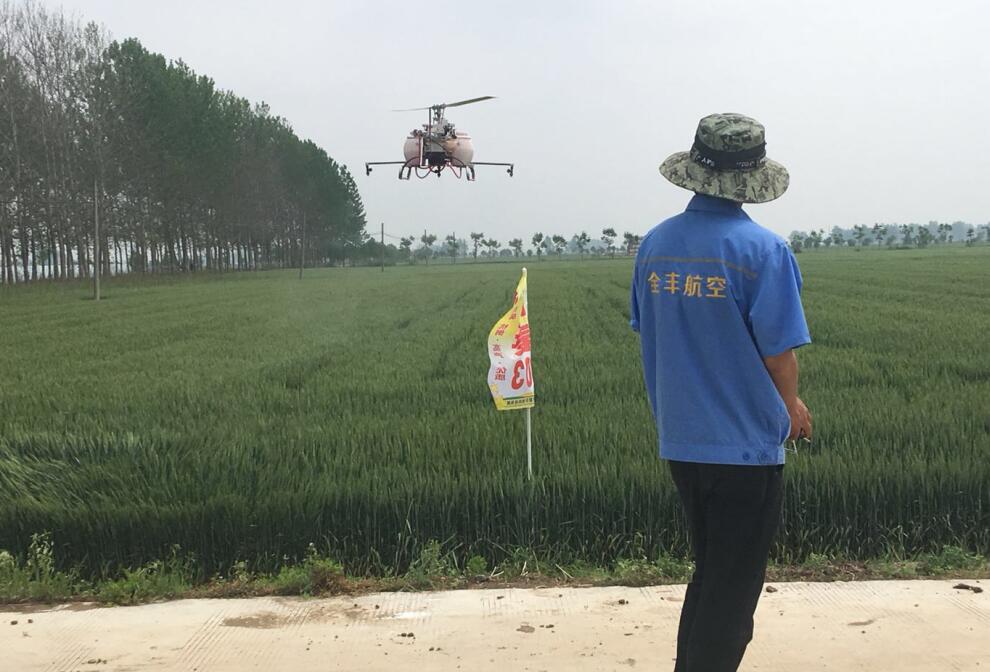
[(244, 416)]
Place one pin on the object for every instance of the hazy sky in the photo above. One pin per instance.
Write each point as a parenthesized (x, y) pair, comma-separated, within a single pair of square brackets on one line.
[(878, 108)]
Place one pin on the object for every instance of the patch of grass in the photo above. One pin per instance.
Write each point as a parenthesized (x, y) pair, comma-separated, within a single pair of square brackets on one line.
[(816, 562), (432, 565), (638, 572), (949, 559), (892, 569), (643, 572), (316, 575), (36, 578), (582, 572), (675, 569), (520, 562), (476, 566), (159, 579)]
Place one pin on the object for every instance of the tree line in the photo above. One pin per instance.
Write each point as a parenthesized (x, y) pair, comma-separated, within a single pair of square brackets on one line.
[(892, 235), (453, 247), (185, 176)]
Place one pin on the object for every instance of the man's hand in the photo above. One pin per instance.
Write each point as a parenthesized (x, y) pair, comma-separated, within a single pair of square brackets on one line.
[(800, 420), (783, 369)]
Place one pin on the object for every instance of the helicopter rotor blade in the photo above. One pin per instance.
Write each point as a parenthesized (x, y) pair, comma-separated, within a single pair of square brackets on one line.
[(469, 101), (445, 105)]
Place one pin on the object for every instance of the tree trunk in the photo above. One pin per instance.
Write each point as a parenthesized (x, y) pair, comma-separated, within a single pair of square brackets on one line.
[(34, 258)]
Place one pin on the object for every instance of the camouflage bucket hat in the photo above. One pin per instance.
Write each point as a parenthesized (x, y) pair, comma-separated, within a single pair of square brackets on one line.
[(728, 160)]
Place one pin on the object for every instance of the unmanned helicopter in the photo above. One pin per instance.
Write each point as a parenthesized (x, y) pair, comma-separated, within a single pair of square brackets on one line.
[(438, 145)]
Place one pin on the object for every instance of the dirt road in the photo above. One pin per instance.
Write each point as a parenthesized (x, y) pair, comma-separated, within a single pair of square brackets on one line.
[(909, 626)]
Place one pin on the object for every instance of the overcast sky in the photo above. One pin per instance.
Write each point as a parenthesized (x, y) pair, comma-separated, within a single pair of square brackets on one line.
[(878, 108)]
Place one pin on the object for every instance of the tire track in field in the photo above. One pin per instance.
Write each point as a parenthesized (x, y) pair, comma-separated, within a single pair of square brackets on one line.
[(965, 602), (294, 374), (198, 645), (290, 618), (597, 298), (416, 316), (457, 340), (454, 345), (402, 612), (72, 649)]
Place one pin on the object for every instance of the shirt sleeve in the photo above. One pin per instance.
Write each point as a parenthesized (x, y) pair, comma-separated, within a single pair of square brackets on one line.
[(776, 317), (633, 304)]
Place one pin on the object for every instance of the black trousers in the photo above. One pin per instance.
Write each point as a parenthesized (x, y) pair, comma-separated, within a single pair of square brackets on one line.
[(733, 513)]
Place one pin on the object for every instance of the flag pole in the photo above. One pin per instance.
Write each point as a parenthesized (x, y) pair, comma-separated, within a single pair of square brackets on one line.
[(529, 410), (529, 443)]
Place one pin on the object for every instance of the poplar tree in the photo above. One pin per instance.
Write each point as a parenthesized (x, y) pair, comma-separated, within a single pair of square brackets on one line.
[(188, 177)]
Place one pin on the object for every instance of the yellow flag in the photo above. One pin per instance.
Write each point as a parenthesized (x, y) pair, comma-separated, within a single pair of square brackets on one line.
[(510, 376)]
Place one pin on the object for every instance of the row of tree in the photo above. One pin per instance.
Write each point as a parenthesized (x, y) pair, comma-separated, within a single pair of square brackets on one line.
[(454, 247), (185, 176), (892, 235), (479, 246)]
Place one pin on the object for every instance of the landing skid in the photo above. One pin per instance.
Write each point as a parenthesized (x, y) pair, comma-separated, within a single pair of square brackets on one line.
[(423, 170)]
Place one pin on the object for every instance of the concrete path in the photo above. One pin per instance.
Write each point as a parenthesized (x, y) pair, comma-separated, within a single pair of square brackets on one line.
[(906, 626)]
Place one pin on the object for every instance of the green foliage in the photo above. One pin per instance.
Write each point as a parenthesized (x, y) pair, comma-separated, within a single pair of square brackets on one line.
[(642, 572), (316, 575), (797, 242), (635, 572), (520, 561), (638, 570), (817, 562), (892, 569), (244, 417), (36, 578), (948, 559), (291, 580), (7, 565), (674, 568), (431, 564), (167, 578), (476, 565), (583, 571), (539, 241)]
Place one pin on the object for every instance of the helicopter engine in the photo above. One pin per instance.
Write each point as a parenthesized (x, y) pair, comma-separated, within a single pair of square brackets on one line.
[(457, 146)]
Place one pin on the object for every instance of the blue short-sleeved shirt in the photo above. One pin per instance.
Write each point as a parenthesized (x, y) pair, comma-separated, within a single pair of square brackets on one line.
[(713, 293)]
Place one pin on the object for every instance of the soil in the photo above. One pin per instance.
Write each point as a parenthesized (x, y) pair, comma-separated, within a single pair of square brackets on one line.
[(910, 626)]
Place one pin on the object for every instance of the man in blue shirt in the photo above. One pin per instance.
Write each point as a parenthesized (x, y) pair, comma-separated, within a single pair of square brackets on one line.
[(716, 301)]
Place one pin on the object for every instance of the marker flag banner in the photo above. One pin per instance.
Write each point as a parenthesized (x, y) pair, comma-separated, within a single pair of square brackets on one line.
[(510, 376)]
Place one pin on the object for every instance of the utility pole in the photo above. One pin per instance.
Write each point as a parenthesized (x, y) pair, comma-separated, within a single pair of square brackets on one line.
[(96, 245), (302, 252), (383, 247)]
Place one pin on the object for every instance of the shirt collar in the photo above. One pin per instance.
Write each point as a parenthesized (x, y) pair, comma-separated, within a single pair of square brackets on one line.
[(706, 203)]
